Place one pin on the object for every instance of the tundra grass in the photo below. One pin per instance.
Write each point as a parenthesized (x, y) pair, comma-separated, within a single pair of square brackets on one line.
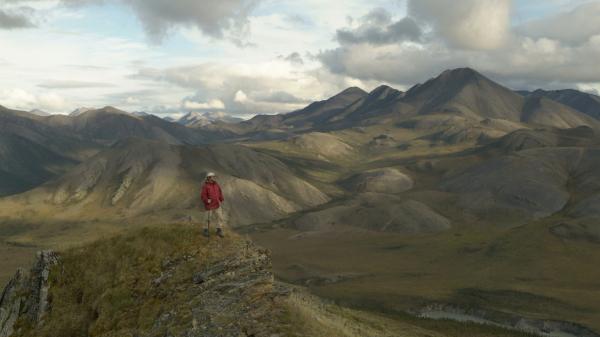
[(524, 270)]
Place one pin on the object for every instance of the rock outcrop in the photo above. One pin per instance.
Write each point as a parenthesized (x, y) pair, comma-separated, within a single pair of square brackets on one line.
[(539, 327), (26, 295)]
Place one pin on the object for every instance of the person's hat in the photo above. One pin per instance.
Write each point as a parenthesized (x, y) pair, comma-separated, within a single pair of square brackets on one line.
[(210, 174)]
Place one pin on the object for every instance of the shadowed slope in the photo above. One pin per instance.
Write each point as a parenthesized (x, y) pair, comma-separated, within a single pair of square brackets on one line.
[(137, 176)]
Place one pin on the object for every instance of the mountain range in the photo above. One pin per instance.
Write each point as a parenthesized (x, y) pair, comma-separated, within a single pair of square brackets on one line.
[(458, 197)]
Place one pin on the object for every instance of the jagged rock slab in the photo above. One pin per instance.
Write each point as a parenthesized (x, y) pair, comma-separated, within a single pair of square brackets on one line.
[(26, 295)]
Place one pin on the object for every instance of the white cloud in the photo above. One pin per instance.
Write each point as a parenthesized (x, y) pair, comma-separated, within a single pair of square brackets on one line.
[(471, 24), (132, 100), (71, 84), (249, 88), (24, 100), (240, 97), (575, 26), (519, 61), (214, 104)]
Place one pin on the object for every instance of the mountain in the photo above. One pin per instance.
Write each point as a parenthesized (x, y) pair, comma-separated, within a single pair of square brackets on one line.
[(32, 152), (461, 92), (196, 119), (544, 111), (381, 101), (314, 115), (36, 148), (39, 112), (109, 124), (135, 177), (589, 104), (80, 111), (554, 172), (323, 111), (465, 91)]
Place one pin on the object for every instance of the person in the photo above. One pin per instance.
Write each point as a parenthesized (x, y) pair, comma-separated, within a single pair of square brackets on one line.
[(212, 197)]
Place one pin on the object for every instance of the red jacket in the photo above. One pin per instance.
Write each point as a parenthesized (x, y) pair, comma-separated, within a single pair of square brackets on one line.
[(213, 192)]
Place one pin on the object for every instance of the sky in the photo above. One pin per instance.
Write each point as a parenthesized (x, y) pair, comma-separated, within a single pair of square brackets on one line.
[(248, 57)]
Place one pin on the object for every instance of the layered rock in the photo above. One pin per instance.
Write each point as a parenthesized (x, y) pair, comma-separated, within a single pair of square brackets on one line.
[(26, 295)]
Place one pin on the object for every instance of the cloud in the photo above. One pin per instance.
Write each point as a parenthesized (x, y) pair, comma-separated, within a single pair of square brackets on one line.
[(15, 19), (280, 97), (574, 27), (393, 63), (251, 88), (214, 104), (132, 100), (22, 99), (377, 27), (70, 84), (215, 18), (293, 58), (513, 57), (469, 24), (240, 97)]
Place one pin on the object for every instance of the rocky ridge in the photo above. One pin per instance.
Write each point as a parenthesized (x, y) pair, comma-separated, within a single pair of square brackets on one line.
[(26, 295)]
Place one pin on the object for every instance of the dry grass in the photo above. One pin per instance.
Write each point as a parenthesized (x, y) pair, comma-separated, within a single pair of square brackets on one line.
[(524, 270), (106, 288)]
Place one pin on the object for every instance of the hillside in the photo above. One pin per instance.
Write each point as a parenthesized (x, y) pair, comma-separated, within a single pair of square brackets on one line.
[(587, 103), (136, 178), (35, 149), (31, 152), (171, 281), (109, 124)]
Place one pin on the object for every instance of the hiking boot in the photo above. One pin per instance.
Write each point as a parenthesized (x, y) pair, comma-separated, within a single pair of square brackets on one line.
[(220, 233), (205, 232)]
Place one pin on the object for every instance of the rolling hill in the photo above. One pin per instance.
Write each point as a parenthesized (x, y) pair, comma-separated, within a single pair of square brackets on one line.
[(589, 104), (37, 148), (135, 177)]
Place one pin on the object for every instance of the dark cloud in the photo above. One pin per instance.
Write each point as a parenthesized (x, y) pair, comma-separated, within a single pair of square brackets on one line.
[(377, 27), (212, 17), (515, 57), (16, 19), (215, 18), (394, 64)]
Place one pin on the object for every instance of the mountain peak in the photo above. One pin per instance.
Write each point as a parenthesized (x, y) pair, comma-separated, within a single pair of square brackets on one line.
[(111, 109), (80, 111), (385, 91), (461, 74), (352, 91), (39, 112)]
